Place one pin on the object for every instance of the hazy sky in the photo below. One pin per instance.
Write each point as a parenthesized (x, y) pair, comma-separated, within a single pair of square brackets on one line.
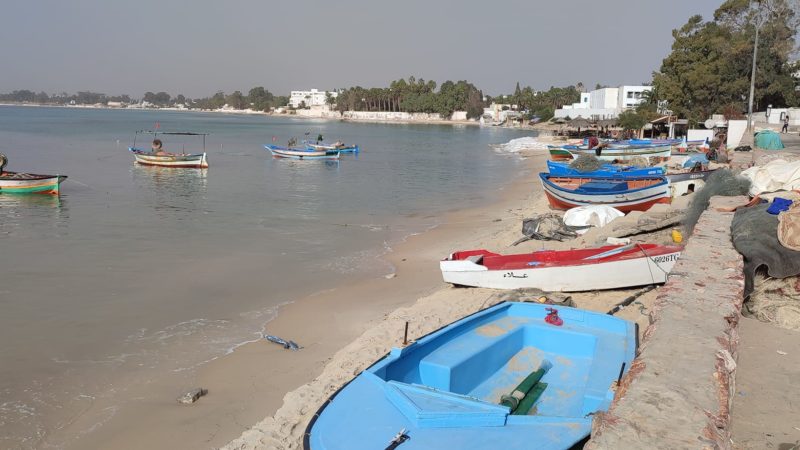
[(196, 47)]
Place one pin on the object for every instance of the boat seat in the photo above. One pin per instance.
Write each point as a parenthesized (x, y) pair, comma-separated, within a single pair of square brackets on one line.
[(462, 364), (477, 259)]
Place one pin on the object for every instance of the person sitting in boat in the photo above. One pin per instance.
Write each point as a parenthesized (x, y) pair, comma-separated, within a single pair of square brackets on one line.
[(157, 149), (338, 144), (319, 138)]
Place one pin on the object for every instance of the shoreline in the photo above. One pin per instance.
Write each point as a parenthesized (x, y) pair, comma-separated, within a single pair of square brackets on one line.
[(265, 371)]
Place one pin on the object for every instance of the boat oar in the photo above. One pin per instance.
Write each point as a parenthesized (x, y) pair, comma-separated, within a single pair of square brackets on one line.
[(611, 252)]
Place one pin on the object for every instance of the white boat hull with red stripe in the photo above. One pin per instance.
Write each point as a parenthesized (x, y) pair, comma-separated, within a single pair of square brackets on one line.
[(565, 271)]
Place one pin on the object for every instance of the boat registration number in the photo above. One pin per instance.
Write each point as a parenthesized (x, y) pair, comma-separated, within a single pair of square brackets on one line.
[(666, 258)]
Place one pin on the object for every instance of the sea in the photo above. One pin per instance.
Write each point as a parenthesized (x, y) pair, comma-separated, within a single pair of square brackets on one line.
[(140, 270)]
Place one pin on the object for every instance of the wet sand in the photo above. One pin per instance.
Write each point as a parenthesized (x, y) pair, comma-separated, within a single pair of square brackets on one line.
[(343, 330)]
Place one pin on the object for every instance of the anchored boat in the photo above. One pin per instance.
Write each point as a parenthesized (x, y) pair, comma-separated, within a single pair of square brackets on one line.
[(27, 183), (513, 376), (624, 194), (342, 148), (300, 153), (167, 159), (608, 267)]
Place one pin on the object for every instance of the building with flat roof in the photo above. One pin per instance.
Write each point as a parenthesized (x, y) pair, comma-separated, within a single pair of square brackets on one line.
[(604, 103), (310, 98)]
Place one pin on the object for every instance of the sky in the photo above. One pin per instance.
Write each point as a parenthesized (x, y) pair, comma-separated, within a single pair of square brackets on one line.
[(198, 47)]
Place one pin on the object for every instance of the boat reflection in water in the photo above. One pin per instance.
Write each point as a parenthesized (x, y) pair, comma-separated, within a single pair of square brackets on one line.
[(32, 213), (168, 190)]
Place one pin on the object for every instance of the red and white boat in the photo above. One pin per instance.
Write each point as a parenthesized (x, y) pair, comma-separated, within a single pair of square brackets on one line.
[(609, 267), (625, 194)]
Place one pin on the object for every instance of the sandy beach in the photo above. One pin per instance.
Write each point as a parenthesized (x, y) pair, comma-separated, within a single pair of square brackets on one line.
[(343, 330)]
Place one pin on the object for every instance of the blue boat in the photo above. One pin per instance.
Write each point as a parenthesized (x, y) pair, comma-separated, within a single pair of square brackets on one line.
[(563, 169), (507, 377)]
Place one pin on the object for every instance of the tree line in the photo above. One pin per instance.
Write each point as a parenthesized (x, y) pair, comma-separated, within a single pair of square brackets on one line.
[(257, 98), (708, 70), (420, 96)]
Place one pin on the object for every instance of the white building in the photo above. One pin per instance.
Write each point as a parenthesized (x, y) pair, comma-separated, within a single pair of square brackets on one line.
[(604, 103), (309, 98)]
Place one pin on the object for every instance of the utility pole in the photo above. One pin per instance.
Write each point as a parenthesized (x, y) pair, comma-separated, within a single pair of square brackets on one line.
[(759, 20)]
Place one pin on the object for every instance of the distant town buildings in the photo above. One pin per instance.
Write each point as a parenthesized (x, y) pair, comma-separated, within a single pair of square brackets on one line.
[(310, 98), (604, 103)]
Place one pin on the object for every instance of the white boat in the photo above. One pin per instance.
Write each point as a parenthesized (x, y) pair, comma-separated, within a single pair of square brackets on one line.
[(609, 267)]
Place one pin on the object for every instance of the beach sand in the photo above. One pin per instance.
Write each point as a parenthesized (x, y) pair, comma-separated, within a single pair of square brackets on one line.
[(342, 331)]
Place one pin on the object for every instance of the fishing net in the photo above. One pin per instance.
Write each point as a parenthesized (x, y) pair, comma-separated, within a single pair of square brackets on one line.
[(547, 227), (586, 163), (775, 301), (641, 161), (721, 182)]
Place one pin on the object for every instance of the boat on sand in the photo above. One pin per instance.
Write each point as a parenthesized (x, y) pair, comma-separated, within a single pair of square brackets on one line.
[(608, 267), (513, 376), (624, 194)]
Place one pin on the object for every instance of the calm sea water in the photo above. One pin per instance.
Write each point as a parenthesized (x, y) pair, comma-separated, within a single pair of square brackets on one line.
[(136, 269)]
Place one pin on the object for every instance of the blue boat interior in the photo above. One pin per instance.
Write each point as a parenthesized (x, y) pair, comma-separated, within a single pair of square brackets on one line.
[(603, 186), (453, 380), (494, 356)]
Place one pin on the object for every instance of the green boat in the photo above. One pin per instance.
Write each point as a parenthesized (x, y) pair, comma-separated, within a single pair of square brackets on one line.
[(27, 183)]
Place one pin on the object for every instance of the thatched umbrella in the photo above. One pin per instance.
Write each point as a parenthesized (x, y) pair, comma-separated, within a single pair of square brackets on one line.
[(607, 123), (580, 122)]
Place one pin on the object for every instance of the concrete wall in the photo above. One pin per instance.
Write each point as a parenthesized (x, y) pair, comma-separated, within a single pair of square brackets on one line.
[(699, 135), (776, 116), (605, 98), (679, 389), (736, 129)]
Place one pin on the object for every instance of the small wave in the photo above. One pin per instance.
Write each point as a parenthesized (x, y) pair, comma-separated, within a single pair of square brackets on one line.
[(521, 144)]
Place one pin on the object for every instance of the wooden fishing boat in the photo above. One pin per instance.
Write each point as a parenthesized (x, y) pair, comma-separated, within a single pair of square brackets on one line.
[(563, 169), (559, 153), (627, 194), (301, 153), (609, 267), (29, 183), (343, 148), (686, 182), (166, 159), (195, 161), (513, 376)]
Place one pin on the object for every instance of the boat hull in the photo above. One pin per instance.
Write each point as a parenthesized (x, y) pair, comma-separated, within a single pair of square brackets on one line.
[(687, 182), (333, 148), (640, 199), (194, 161), (20, 183), (614, 153), (444, 389), (607, 171), (639, 267), (283, 152)]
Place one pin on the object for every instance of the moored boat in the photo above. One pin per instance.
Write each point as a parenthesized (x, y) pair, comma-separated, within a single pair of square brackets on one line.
[(624, 194), (342, 148), (608, 267), (192, 161), (513, 376), (167, 159), (28, 183), (300, 153), (606, 171), (627, 153)]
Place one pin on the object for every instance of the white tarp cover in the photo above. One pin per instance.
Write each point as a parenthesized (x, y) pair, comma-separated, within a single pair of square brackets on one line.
[(777, 175), (594, 215)]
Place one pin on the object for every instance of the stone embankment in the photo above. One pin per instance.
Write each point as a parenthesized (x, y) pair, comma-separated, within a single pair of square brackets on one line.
[(679, 390)]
